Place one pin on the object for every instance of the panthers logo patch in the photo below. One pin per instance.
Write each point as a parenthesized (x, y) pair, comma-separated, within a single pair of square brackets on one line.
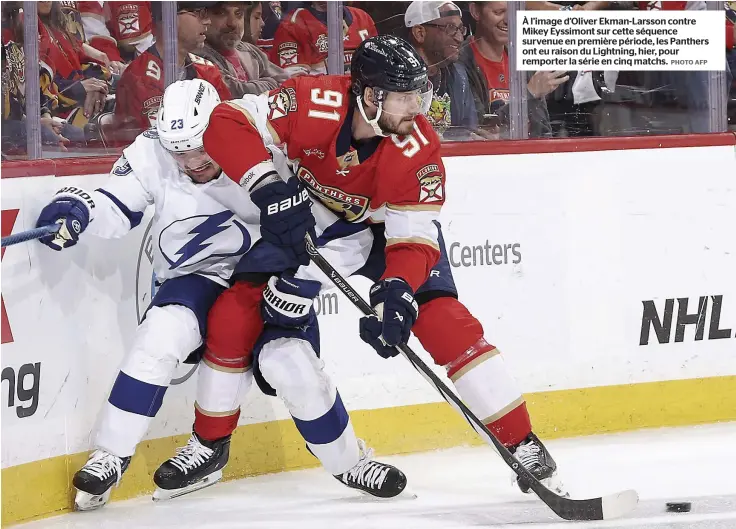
[(281, 103), (351, 207)]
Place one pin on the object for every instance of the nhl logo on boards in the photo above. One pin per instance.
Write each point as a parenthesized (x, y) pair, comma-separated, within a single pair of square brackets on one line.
[(281, 103)]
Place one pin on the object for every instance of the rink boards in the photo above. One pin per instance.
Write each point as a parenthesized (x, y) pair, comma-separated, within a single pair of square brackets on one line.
[(606, 278)]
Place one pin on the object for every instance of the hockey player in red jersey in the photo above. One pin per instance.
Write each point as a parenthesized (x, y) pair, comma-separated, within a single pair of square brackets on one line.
[(372, 163), (301, 38), (141, 87)]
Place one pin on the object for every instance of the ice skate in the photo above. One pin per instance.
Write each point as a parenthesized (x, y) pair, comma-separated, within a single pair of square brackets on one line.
[(95, 480), (536, 459), (374, 478), (197, 465)]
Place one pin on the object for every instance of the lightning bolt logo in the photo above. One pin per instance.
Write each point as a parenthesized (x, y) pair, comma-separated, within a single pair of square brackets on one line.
[(202, 233)]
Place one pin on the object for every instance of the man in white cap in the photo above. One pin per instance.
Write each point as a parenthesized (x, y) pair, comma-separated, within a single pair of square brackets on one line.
[(436, 30)]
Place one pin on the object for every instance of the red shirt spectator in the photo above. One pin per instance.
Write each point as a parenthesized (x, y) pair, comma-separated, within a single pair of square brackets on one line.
[(301, 38), (496, 74), (141, 87), (113, 27), (69, 78)]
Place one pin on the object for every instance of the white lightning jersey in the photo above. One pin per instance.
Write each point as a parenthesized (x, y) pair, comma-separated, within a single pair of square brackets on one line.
[(197, 228)]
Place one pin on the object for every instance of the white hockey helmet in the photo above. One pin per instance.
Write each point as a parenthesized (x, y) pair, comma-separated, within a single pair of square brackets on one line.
[(185, 113)]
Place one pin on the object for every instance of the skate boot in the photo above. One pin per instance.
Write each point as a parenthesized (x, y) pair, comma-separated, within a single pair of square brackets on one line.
[(195, 466), (536, 459), (95, 480), (374, 478)]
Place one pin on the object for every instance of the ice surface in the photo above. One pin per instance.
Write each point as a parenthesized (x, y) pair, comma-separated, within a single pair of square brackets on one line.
[(465, 488)]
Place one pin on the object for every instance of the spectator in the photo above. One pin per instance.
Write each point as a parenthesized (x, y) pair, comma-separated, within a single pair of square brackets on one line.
[(122, 30), (142, 85), (271, 15), (13, 80), (14, 87), (244, 67), (486, 61), (73, 85), (71, 22), (256, 22), (301, 39), (436, 31)]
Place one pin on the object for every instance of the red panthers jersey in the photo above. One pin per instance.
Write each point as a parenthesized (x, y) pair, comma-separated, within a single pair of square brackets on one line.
[(301, 38), (141, 87), (397, 180), (114, 25)]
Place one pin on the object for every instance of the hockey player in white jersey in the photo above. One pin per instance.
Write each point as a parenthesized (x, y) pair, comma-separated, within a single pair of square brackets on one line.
[(203, 224), (197, 242)]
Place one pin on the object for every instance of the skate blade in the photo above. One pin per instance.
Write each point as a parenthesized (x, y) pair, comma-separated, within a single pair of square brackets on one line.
[(169, 494), (84, 501), (553, 483), (406, 494)]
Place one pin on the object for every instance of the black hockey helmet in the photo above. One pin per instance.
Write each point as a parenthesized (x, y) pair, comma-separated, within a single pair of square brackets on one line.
[(387, 63)]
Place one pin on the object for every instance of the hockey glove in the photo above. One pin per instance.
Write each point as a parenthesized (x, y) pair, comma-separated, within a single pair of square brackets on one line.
[(287, 301), (286, 217), (394, 302), (72, 208)]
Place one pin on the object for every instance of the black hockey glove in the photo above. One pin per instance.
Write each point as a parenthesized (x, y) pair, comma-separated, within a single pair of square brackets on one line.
[(286, 217), (394, 301)]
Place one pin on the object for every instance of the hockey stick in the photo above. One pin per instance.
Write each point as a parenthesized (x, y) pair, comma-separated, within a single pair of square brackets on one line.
[(603, 508), (29, 235)]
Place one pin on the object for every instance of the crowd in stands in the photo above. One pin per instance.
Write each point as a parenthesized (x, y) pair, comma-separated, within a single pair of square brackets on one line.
[(102, 72)]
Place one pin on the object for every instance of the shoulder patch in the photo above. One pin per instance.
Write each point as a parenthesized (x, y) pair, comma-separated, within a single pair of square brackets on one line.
[(122, 167), (322, 43), (281, 103), (431, 188), (150, 108), (151, 133), (287, 53)]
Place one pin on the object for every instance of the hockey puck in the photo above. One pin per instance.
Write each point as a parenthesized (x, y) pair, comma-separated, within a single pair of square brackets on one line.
[(684, 506)]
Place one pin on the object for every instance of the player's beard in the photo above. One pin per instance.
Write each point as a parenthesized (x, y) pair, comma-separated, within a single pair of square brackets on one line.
[(395, 124)]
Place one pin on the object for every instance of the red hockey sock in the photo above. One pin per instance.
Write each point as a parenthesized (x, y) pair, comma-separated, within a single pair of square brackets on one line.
[(233, 326), (212, 428), (454, 338)]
